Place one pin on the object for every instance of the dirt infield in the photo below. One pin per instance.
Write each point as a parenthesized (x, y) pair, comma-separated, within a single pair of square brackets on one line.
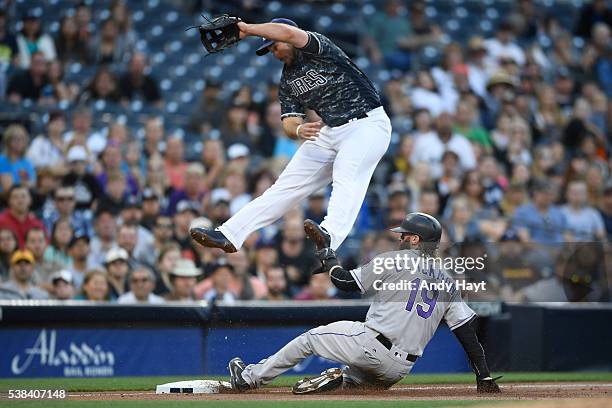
[(575, 392)]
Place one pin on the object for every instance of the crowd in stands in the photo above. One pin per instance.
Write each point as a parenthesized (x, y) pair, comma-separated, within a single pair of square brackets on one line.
[(506, 140)]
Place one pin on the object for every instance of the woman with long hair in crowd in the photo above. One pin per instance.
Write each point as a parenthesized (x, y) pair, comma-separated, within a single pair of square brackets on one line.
[(32, 39), (70, 47), (15, 168), (8, 244), (95, 286), (57, 251)]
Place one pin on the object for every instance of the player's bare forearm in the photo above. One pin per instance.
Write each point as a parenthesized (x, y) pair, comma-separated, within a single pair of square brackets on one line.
[(275, 32), (296, 128)]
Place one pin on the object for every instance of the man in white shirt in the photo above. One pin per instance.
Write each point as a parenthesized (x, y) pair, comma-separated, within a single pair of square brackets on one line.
[(142, 283), (502, 47), (430, 147)]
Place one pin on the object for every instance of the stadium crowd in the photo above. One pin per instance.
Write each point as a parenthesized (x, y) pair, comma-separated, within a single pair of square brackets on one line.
[(506, 140)]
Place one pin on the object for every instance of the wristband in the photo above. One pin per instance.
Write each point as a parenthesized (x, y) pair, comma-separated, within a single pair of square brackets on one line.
[(297, 131), (332, 269)]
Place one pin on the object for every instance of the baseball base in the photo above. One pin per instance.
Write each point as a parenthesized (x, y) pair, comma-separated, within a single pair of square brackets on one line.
[(193, 387)]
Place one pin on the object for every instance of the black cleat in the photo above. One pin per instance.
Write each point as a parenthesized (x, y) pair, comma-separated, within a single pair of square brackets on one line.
[(236, 367), (318, 235), (329, 380), (212, 238)]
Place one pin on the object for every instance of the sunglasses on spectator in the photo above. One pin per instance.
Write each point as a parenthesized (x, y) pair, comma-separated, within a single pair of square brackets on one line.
[(140, 280), (163, 225), (64, 198)]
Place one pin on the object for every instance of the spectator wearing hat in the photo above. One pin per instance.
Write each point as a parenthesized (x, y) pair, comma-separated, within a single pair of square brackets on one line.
[(221, 277), (78, 249), (20, 286), (48, 149), (63, 285), (137, 84), (174, 162), (142, 283), (86, 187), (219, 206), (64, 207), (239, 157), (194, 188), (105, 228), (95, 287), (117, 270), (584, 222), (183, 279), (540, 221), (17, 216), (151, 209), (15, 168), (32, 39)]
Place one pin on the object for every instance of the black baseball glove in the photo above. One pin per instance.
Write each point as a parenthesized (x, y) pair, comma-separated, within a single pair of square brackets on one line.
[(487, 385), (220, 33)]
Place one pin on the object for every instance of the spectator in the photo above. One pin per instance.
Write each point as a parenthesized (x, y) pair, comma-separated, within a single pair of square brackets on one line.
[(86, 187), (8, 244), (64, 207), (112, 163), (466, 124), (63, 285), (103, 86), (540, 221), (116, 193), (221, 276), (9, 53), (514, 197), (186, 212), (82, 133), (151, 209), (583, 221), (117, 269), (183, 281), (210, 109), (319, 288), (107, 47), (57, 89), (174, 160), (430, 147), (15, 168), (592, 13), (460, 226), (153, 137), (142, 282), (127, 239), (426, 95), (20, 284), (193, 189), (95, 287), (247, 286), (122, 17), (48, 149), (239, 156), (293, 253), (136, 84), (78, 250), (605, 210), (32, 40), (17, 216), (276, 284), (429, 202), (105, 228), (71, 48), (213, 159), (61, 235), (317, 208), (169, 256), (131, 214), (502, 46), (36, 243), (234, 128)]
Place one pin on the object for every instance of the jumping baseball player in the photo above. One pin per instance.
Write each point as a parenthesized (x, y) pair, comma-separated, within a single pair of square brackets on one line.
[(343, 149), (398, 325)]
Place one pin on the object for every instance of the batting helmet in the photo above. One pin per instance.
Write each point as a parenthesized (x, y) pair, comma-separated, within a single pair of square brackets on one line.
[(421, 224)]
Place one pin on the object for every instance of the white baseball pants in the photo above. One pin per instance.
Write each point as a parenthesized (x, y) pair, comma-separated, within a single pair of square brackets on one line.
[(345, 155), (368, 362)]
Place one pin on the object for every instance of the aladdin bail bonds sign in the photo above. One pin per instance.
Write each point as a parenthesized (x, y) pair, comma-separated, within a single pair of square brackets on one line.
[(59, 352)]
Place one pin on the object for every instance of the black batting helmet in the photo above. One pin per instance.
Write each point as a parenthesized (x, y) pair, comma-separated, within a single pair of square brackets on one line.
[(421, 224)]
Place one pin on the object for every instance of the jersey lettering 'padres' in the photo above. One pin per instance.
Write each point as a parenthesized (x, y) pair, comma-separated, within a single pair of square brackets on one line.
[(410, 317), (324, 79)]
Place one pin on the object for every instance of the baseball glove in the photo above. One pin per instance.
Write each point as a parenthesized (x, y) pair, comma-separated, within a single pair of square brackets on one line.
[(219, 33), (487, 385)]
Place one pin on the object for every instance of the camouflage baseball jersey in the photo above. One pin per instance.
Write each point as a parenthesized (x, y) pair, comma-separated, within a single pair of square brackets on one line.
[(406, 307), (324, 79)]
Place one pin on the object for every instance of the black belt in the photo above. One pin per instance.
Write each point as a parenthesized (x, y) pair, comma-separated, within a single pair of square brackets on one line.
[(361, 115), (387, 343)]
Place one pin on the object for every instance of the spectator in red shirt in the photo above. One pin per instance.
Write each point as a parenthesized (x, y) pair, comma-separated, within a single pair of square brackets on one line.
[(17, 216)]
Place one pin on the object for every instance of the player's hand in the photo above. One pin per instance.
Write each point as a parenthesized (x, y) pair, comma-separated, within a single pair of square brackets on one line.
[(244, 29), (309, 130)]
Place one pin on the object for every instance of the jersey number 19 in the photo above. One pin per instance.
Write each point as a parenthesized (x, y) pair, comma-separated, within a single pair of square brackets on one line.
[(429, 300)]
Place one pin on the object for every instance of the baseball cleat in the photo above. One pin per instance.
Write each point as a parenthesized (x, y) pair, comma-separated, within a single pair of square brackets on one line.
[(329, 380), (318, 235), (212, 238), (236, 366)]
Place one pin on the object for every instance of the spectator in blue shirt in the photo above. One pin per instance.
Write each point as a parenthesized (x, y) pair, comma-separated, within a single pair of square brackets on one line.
[(539, 220), (14, 167)]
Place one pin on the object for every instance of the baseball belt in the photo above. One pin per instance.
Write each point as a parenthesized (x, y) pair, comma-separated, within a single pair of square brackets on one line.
[(387, 343)]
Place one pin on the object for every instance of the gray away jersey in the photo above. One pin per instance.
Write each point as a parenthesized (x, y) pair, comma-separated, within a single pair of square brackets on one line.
[(324, 79), (409, 316)]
